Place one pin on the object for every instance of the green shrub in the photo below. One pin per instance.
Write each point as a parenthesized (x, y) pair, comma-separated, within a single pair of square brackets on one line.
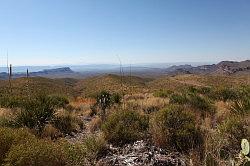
[(124, 127), (38, 152), (174, 128), (178, 99), (85, 153), (11, 101), (151, 109), (116, 98), (76, 154), (226, 94), (200, 103), (193, 89), (205, 90), (95, 146), (10, 137), (195, 101), (6, 122), (162, 93), (58, 101)]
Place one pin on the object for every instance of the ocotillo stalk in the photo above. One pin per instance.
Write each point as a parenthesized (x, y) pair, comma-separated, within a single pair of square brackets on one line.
[(10, 76), (27, 85), (27, 73)]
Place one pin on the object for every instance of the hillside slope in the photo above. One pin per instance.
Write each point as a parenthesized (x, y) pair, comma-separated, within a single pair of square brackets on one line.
[(38, 85), (111, 82), (180, 82)]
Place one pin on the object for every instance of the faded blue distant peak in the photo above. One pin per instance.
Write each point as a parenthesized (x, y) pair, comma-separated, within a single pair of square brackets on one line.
[(44, 32)]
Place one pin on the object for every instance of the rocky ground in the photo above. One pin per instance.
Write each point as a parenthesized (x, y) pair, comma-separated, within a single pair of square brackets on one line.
[(141, 154)]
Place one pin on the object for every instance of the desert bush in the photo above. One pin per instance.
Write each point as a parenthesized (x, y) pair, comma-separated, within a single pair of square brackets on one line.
[(37, 152), (178, 99), (86, 152), (201, 103), (174, 128), (163, 93), (116, 98), (10, 137), (58, 101), (192, 89), (194, 100), (95, 146), (76, 154), (205, 90), (151, 109), (226, 94), (123, 127), (66, 122), (7, 122), (233, 130), (11, 101)]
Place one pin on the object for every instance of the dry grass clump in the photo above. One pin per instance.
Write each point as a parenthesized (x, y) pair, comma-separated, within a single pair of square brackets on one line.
[(147, 104), (5, 112), (138, 96), (50, 132), (95, 124), (222, 111), (222, 144), (82, 105), (67, 122), (233, 130)]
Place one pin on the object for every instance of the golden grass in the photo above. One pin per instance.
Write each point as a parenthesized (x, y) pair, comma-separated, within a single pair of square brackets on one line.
[(95, 124)]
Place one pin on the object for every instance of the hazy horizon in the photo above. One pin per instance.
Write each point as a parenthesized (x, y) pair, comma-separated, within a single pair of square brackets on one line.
[(90, 67), (61, 32)]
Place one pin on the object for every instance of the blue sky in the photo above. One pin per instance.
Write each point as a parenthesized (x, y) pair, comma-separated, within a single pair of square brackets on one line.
[(42, 32)]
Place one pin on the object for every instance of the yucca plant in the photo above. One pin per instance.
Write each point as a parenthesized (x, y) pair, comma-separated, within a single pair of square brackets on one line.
[(104, 101), (242, 104)]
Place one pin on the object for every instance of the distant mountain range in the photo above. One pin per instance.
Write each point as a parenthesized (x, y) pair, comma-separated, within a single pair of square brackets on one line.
[(50, 73), (222, 68)]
